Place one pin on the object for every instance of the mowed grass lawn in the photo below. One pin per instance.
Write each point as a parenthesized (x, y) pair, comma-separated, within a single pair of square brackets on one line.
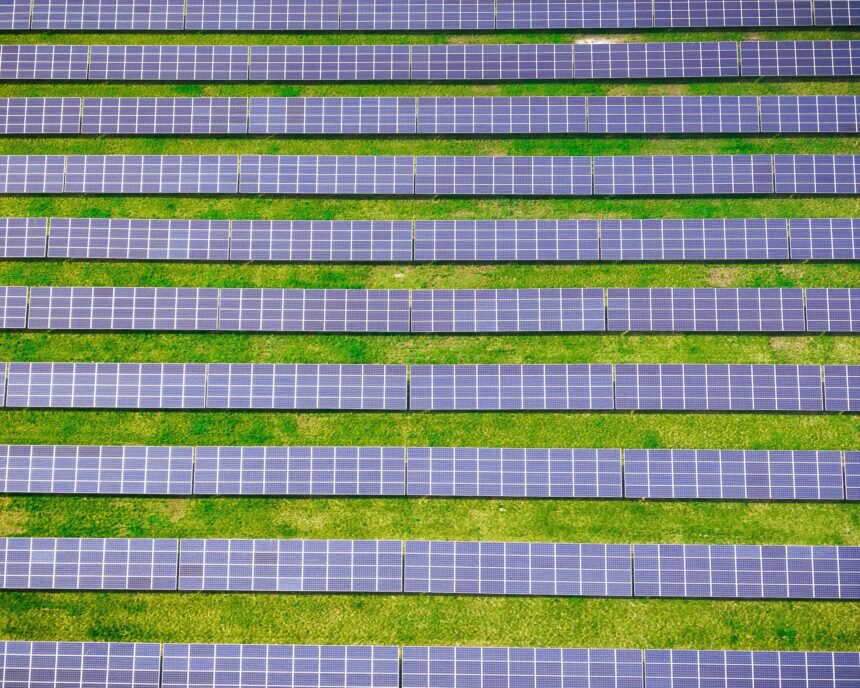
[(414, 619)]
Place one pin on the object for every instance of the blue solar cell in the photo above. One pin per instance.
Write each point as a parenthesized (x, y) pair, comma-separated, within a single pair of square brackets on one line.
[(825, 239), (719, 13), (108, 15), (40, 115), (168, 63), (416, 15), (817, 174), (836, 13), (329, 63), (852, 476), (23, 237), (165, 116), (13, 308), (499, 115), (833, 310), (573, 14), (15, 15), (39, 62), (672, 114), (800, 58), (842, 388), (655, 60), (31, 174), (332, 116), (810, 114), (261, 15), (460, 62)]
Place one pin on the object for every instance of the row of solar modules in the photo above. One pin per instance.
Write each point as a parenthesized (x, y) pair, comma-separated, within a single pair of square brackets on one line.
[(435, 567), (464, 387), (430, 310), (463, 115), (415, 15), (432, 472), (457, 62), (431, 175), (431, 240)]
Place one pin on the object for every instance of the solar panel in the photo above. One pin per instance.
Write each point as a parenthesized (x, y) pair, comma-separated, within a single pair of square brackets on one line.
[(350, 471), (23, 237), (3, 379), (499, 115), (825, 239), (842, 388), (732, 474), (460, 62), (280, 666), (517, 568), (672, 114), (486, 472), (833, 310), (314, 310), (503, 176), (320, 240), (746, 571), (106, 385), (508, 310), (655, 60), (718, 13), (31, 174), (510, 387), (705, 310), (852, 476), (836, 13), (15, 15), (810, 114), (329, 63), (817, 174), (165, 116), (54, 62), (40, 115), (152, 174), (716, 387), (327, 174), (291, 565), (573, 14), (416, 15), (462, 667), (108, 15), (123, 308), (683, 174), (88, 564), (71, 665), (76, 469), (121, 239), (506, 240), (682, 240), (306, 386), (734, 669), (13, 308), (800, 58), (332, 116), (168, 63), (261, 15)]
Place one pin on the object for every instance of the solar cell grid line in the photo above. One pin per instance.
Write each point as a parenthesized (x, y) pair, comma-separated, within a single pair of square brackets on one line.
[(345, 471), (503, 176), (718, 387), (506, 240), (417, 15), (481, 667), (168, 63), (741, 13), (517, 568), (88, 564), (810, 114), (329, 63), (41, 62), (817, 174), (502, 115), (672, 114), (13, 308), (705, 310), (123, 308), (108, 15), (842, 388), (509, 62), (32, 174), (573, 14), (825, 238), (800, 58), (306, 386), (40, 116), (261, 15), (106, 385), (852, 476), (69, 664), (124, 239), (73, 469), (836, 13), (332, 116), (683, 175), (655, 60), (694, 240), (508, 310), (321, 240), (498, 472), (15, 15), (733, 474), (284, 666), (23, 237), (314, 310), (532, 387), (746, 571), (291, 565), (135, 116), (833, 310)]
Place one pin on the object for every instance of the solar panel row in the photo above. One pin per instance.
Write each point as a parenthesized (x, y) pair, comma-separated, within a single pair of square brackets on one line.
[(442, 62)]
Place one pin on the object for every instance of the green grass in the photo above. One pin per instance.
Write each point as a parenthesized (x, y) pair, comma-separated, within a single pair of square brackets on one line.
[(411, 619)]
